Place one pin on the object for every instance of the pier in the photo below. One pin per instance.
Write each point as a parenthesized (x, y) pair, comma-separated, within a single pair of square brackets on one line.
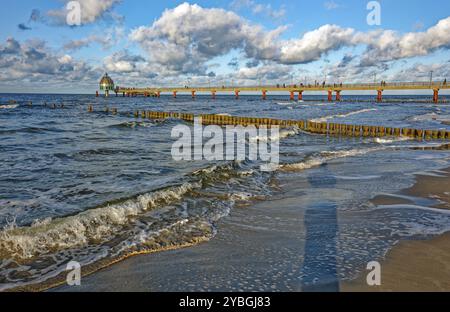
[(334, 91)]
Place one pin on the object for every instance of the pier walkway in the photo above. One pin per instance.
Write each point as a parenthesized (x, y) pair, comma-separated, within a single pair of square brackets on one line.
[(293, 90)]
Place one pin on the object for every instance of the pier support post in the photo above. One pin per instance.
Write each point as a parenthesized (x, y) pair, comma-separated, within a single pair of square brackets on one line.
[(264, 94), (213, 95), (436, 96), (338, 95), (292, 97), (236, 93), (174, 94), (123, 94), (300, 95), (117, 94), (96, 93), (380, 96), (330, 95)]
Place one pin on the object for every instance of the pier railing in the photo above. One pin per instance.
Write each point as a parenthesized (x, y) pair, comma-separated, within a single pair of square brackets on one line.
[(281, 87)]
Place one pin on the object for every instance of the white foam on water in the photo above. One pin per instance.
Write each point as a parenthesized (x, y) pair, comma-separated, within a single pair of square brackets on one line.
[(275, 137), (326, 118), (10, 106), (390, 140), (317, 104), (324, 157), (243, 196), (97, 224), (431, 117)]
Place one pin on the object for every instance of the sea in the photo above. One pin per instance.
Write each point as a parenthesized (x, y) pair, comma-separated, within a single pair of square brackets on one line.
[(97, 187)]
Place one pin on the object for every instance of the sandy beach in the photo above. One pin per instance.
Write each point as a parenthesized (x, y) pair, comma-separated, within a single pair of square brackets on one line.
[(415, 265)]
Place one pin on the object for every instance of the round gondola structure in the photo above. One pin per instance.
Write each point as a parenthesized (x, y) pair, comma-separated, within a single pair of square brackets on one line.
[(106, 84)]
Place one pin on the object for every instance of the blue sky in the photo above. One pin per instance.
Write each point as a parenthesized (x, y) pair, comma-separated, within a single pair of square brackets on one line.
[(245, 41)]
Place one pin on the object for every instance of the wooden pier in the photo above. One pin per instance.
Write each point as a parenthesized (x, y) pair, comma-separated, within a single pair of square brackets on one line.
[(334, 91)]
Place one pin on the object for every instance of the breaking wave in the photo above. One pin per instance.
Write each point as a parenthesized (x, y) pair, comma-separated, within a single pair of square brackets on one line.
[(92, 225), (326, 118), (390, 140), (275, 137), (9, 106), (323, 157), (133, 124)]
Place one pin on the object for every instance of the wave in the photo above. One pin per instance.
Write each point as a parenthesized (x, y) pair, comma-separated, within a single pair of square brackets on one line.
[(96, 224), (444, 119), (326, 118), (9, 106), (323, 157), (275, 137), (133, 124), (390, 140), (245, 196)]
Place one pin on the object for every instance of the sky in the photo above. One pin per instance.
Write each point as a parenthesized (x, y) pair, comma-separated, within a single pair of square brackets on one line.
[(246, 42)]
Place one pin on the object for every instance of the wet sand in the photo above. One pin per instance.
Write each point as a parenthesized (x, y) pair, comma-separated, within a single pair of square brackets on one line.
[(415, 265)]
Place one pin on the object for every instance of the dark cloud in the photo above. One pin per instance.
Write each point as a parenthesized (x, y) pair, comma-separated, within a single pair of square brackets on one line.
[(22, 26)]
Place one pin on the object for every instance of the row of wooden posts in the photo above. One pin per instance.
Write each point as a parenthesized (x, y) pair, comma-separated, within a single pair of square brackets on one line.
[(309, 126)]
